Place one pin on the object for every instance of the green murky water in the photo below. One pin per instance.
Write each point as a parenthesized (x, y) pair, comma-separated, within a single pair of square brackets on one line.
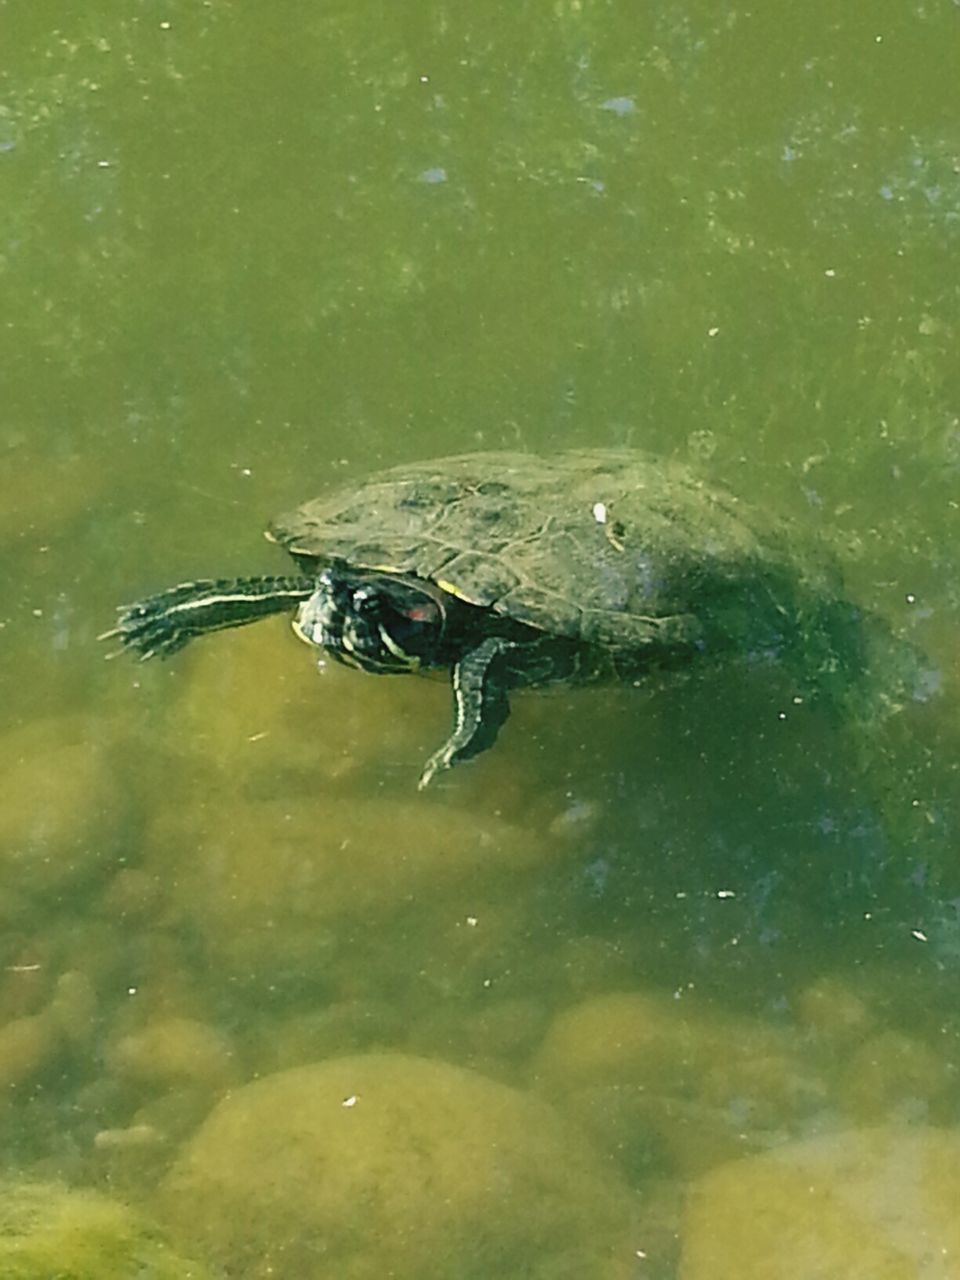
[(662, 953)]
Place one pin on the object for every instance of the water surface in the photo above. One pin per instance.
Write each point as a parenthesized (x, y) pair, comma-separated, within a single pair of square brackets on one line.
[(248, 255)]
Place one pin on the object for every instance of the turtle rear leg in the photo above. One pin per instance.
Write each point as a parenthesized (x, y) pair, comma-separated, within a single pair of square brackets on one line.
[(164, 623), (480, 706)]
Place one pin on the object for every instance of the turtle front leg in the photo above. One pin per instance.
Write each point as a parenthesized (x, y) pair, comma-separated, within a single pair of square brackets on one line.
[(162, 624), (480, 706)]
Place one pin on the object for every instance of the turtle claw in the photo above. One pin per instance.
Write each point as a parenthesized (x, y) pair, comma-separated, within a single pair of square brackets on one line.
[(112, 634), (438, 762), (144, 630)]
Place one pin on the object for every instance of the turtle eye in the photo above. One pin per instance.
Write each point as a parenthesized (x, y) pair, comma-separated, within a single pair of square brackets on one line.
[(390, 624), (365, 601)]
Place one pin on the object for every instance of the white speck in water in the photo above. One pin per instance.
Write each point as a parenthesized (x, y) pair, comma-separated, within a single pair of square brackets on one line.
[(619, 106), (351, 1101)]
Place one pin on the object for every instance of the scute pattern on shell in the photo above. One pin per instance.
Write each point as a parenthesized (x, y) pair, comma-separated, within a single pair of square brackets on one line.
[(602, 545)]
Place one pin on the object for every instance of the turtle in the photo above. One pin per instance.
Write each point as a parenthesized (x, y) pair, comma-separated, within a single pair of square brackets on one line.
[(509, 569)]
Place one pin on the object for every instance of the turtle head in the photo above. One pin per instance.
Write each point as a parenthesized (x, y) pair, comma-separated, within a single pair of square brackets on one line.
[(379, 622)]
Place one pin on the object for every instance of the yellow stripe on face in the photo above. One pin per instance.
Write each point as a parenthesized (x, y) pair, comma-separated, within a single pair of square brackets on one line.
[(299, 632), (404, 658)]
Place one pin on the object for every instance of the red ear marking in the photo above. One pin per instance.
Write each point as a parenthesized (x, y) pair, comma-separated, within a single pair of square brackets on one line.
[(422, 613)]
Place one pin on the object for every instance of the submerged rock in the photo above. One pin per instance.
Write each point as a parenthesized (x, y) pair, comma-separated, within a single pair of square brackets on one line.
[(29, 1045), (647, 1073), (869, 1204), (172, 1052), (264, 882), (384, 1164), (62, 809)]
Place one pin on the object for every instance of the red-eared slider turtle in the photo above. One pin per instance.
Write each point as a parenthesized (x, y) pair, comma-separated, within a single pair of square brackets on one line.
[(508, 570)]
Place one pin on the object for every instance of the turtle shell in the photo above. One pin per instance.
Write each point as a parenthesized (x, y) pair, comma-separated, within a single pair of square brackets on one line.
[(597, 545)]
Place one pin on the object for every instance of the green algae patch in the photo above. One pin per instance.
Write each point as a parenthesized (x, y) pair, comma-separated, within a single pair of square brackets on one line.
[(51, 1232)]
